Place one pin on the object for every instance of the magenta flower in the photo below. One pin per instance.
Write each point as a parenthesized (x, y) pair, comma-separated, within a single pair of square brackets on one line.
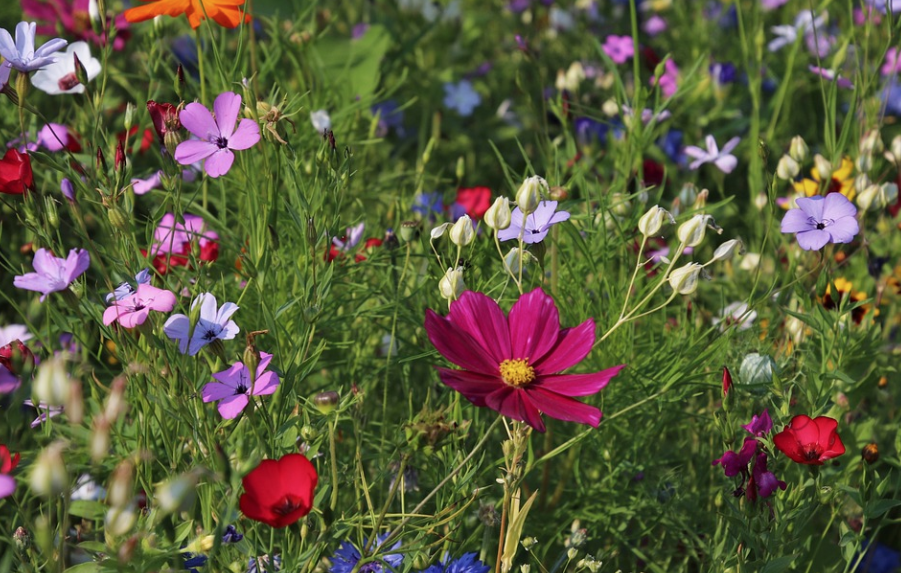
[(510, 363), (53, 274), (172, 237), (74, 17), (217, 137), (537, 225), (214, 324), (669, 81), (724, 159), (234, 386), (821, 220), (133, 310), (760, 425), (733, 463), (892, 63), (619, 48), (762, 482)]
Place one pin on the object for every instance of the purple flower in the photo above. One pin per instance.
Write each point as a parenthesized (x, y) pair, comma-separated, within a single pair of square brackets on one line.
[(734, 464), (214, 324), (762, 479), (53, 137), (68, 190), (821, 220), (761, 424), (892, 63), (45, 412), (8, 381), (347, 556), (125, 289), (536, 225), (235, 386), (654, 25), (468, 563), (351, 239), (772, 4), (53, 274), (217, 137), (724, 160), (669, 80), (830, 75), (133, 310), (619, 48), (21, 54)]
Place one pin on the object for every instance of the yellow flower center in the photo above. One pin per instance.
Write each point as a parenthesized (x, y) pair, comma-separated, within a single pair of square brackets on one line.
[(517, 372)]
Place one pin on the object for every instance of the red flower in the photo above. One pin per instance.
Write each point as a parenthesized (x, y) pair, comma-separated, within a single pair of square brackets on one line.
[(510, 363), (165, 118), (727, 381), (810, 441), (476, 200), (7, 462), (279, 492), (15, 173)]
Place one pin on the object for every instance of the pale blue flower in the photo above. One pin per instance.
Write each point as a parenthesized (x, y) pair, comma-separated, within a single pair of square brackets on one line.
[(21, 54), (461, 97)]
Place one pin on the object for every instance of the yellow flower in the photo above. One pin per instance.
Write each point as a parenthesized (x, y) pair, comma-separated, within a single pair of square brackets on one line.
[(842, 181), (845, 288)]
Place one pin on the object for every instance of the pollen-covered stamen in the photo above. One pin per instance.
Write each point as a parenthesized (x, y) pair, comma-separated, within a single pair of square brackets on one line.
[(517, 372)]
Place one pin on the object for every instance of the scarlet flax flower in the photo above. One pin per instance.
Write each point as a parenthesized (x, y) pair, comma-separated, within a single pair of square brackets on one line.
[(810, 441), (510, 363), (279, 492), (15, 173), (226, 13)]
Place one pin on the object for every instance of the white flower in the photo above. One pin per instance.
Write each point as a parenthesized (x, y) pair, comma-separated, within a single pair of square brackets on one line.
[(736, 313), (86, 489), (321, 120), (804, 23), (13, 332), (59, 77)]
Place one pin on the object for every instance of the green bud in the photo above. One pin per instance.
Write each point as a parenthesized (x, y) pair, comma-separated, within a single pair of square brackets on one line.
[(409, 231), (326, 402)]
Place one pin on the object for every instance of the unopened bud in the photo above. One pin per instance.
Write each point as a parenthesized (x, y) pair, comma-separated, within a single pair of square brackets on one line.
[(871, 143), (823, 166), (81, 74), (787, 168), (119, 521), (529, 542), (52, 385), (409, 231), (692, 232), (462, 232), (117, 218), (311, 232), (864, 163), (610, 108), (761, 201), (22, 539), (684, 280), (100, 439), (894, 152), (48, 474), (50, 212), (652, 221), (451, 285), (529, 194), (129, 116), (326, 402), (177, 493), (75, 403), (120, 156), (499, 216), (115, 402), (798, 149), (516, 263), (727, 250)]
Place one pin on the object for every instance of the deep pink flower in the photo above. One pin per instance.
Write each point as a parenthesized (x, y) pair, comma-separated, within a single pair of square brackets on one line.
[(619, 48), (234, 386), (73, 16), (217, 137), (133, 309), (53, 274), (510, 362)]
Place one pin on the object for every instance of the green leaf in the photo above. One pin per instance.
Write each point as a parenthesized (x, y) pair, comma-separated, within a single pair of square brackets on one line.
[(352, 66), (87, 509), (881, 506), (779, 564)]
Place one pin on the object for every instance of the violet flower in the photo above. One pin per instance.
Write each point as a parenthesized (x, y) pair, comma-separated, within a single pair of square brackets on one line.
[(821, 220), (234, 386), (537, 225), (9, 382), (841, 81), (760, 425), (214, 324), (351, 239), (125, 289), (45, 412), (723, 159), (53, 274), (619, 48), (763, 482), (733, 463), (133, 310), (217, 137), (21, 54), (461, 97)]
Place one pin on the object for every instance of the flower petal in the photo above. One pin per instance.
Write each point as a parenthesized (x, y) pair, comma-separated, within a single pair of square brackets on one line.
[(218, 164), (813, 206), (480, 317), (265, 384), (843, 230), (7, 485), (246, 136), (197, 119), (573, 345), (77, 262), (515, 404), (578, 384), (474, 387), (227, 107), (836, 206), (232, 406), (534, 326), (191, 151), (813, 240), (563, 408), (177, 327), (213, 391), (458, 346), (795, 221), (726, 163)]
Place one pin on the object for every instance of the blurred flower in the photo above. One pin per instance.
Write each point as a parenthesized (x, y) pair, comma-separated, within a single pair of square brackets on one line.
[(172, 242), (760, 425), (45, 412), (772, 4), (7, 464), (427, 205), (669, 80), (321, 121), (722, 73), (620, 49), (74, 16), (21, 55), (390, 117), (536, 225), (461, 97), (468, 563), (724, 160), (473, 201), (217, 136), (810, 441), (804, 23), (589, 131), (53, 274), (877, 558), (264, 565), (165, 122), (510, 363), (13, 332), (213, 324), (60, 76), (736, 313), (654, 25), (15, 173), (279, 492), (226, 13), (347, 556), (831, 76), (832, 301), (231, 535), (56, 137), (840, 181), (86, 489), (821, 220), (133, 310), (235, 386)]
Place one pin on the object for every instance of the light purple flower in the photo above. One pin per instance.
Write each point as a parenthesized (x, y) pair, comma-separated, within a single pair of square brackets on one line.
[(654, 25), (45, 412), (143, 186), (234, 386), (170, 237), (217, 137), (214, 324), (53, 274), (772, 4), (821, 220), (647, 115), (21, 54), (133, 310), (830, 75), (351, 239), (760, 425), (68, 190), (537, 225), (7, 485), (461, 97), (9, 382), (619, 48), (125, 289), (12, 333), (805, 23), (53, 137), (724, 160), (892, 63)]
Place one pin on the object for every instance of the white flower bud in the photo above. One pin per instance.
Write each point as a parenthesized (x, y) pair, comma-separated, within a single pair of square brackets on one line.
[(529, 195), (798, 149), (861, 182), (787, 169), (727, 250), (462, 233), (824, 167), (761, 201), (512, 260), (750, 262), (652, 221), (438, 231), (451, 285), (121, 486), (864, 163), (867, 197), (119, 521), (620, 204), (177, 493), (757, 369), (876, 197), (692, 232), (52, 385), (498, 216), (871, 143), (894, 152), (684, 280), (610, 108), (48, 474), (93, 11)]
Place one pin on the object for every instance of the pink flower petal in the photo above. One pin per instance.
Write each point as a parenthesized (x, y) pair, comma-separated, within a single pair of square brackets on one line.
[(474, 387), (198, 120), (231, 407), (7, 485), (481, 317), (227, 107), (267, 383), (213, 391), (515, 404), (726, 163), (246, 136), (191, 151), (534, 326), (577, 384), (573, 345), (458, 346), (133, 319), (563, 408), (219, 163)]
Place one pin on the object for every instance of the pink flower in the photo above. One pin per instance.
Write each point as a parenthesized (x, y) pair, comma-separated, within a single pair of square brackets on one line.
[(892, 63), (669, 79), (235, 386), (217, 137), (510, 363), (53, 274), (133, 310), (619, 48)]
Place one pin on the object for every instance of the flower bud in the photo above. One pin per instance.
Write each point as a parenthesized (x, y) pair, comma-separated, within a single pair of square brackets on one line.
[(512, 260), (871, 143), (652, 221), (177, 493), (684, 280), (52, 385), (761, 201), (610, 108), (68, 190), (757, 369), (894, 152), (864, 163), (866, 199), (409, 231), (462, 232), (787, 169), (326, 402), (861, 182), (120, 492), (692, 232), (129, 115), (823, 166), (529, 195), (727, 250), (75, 404), (48, 475), (100, 439), (798, 149), (119, 521), (115, 402), (498, 216), (451, 286)]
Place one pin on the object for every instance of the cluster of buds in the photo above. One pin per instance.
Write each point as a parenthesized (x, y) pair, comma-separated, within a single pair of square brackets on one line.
[(870, 145), (122, 514), (790, 164)]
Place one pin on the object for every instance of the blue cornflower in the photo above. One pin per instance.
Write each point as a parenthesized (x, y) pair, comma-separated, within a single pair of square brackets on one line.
[(466, 564), (192, 562), (589, 131), (390, 117), (231, 535), (461, 97), (723, 73), (347, 556), (427, 205), (671, 144), (891, 97), (264, 566), (21, 54)]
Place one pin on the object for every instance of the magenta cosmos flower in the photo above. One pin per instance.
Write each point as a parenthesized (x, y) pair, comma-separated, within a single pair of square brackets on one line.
[(53, 274), (133, 309), (234, 386), (821, 220), (510, 363), (217, 136)]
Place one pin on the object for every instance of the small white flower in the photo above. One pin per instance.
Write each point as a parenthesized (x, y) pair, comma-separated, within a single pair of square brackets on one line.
[(59, 77), (736, 313), (321, 120)]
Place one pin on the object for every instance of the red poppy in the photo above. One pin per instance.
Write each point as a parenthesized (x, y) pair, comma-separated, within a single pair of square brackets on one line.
[(7, 462), (810, 441), (15, 173), (279, 492), (476, 200), (369, 246)]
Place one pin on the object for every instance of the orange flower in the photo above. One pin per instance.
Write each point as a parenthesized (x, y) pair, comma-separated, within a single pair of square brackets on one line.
[(226, 13)]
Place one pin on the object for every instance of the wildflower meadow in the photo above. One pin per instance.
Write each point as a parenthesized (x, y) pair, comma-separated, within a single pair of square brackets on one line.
[(450, 286)]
